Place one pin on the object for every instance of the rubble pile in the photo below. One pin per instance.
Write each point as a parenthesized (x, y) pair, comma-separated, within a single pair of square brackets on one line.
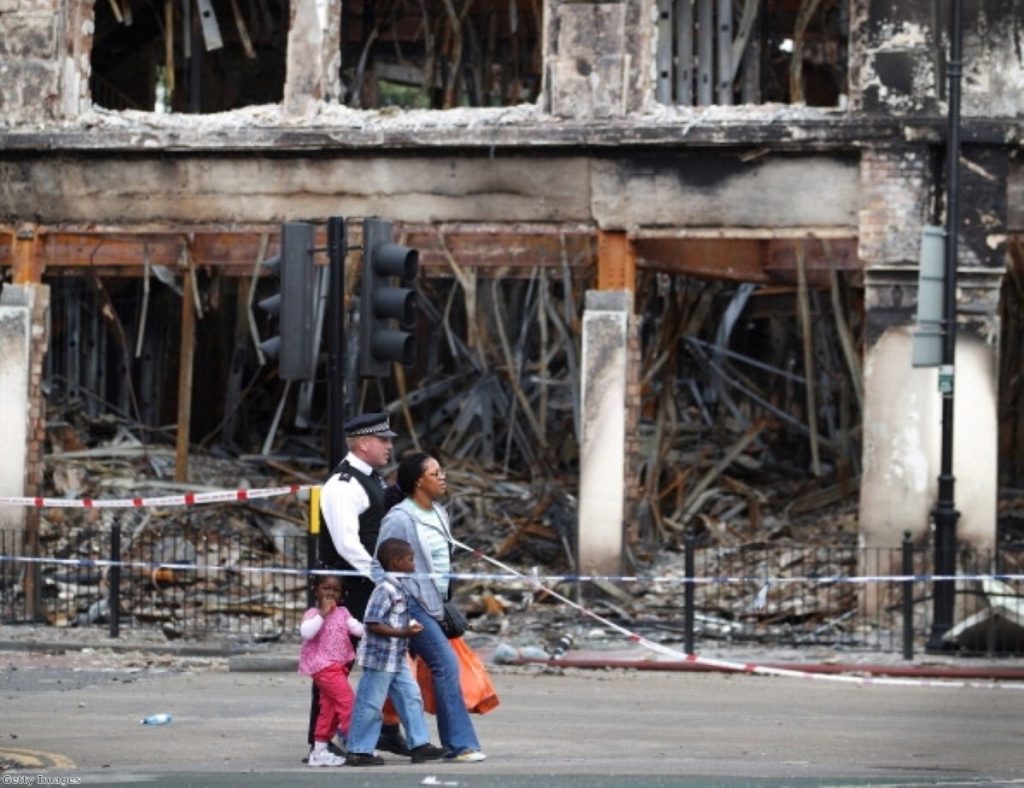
[(528, 526)]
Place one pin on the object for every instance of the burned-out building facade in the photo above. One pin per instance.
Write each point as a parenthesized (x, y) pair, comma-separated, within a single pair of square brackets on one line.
[(685, 186)]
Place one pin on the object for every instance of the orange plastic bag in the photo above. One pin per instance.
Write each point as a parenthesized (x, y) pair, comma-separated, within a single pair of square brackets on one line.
[(477, 689)]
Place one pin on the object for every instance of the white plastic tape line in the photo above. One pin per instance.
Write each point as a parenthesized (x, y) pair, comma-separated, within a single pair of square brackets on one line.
[(186, 499), (511, 575), (739, 667)]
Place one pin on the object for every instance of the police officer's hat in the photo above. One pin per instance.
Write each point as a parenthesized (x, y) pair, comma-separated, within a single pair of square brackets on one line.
[(369, 424)]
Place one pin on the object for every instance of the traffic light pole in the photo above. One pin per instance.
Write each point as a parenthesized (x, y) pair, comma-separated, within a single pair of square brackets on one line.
[(945, 514), (337, 249)]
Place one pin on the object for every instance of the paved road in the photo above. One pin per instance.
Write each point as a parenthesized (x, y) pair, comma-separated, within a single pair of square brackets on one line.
[(79, 716)]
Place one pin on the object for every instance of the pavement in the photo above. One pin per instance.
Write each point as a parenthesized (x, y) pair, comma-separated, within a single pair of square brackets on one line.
[(599, 653), (70, 711)]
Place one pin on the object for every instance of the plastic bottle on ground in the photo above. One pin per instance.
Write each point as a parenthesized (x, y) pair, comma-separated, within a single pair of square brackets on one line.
[(157, 719)]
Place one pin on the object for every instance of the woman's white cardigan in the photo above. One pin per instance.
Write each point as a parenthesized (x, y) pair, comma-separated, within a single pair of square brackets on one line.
[(405, 522)]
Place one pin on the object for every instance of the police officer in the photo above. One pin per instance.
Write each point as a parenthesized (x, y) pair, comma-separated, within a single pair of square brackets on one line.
[(351, 508)]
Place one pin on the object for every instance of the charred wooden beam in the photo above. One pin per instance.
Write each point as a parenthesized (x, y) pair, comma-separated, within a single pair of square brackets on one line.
[(517, 249), (24, 248), (123, 250), (510, 250), (616, 262), (765, 260)]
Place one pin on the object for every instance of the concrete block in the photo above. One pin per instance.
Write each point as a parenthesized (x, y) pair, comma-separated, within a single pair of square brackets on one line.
[(32, 35)]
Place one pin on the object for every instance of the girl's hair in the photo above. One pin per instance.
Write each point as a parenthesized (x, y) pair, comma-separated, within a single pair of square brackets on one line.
[(319, 580), (410, 469)]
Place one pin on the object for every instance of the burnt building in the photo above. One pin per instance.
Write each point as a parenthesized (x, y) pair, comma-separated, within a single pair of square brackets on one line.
[(770, 163)]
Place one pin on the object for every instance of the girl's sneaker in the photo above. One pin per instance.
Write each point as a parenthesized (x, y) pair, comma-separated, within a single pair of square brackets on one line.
[(324, 758), (469, 756)]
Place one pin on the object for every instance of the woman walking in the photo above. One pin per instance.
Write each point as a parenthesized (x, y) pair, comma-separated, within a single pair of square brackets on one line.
[(414, 516)]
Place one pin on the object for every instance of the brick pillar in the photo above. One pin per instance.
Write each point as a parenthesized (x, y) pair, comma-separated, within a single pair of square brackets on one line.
[(902, 405), (894, 184), (34, 468), (38, 342)]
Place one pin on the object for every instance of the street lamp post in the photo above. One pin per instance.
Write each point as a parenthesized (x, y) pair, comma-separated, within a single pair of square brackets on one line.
[(945, 514)]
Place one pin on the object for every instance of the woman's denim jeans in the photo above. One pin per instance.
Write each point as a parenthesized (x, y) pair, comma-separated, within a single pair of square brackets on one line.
[(453, 723), (374, 686)]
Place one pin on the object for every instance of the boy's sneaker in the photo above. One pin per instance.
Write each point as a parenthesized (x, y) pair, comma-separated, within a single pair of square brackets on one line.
[(426, 752), (324, 758), (337, 746), (392, 740), (363, 759), (469, 756)]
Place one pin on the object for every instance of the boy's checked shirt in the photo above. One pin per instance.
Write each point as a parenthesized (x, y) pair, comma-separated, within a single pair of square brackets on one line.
[(387, 605)]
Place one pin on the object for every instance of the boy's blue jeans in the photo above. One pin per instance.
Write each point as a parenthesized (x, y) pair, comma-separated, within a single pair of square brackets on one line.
[(453, 723), (374, 687)]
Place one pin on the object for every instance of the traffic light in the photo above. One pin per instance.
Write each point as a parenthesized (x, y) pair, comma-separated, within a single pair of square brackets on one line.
[(380, 301), (294, 306)]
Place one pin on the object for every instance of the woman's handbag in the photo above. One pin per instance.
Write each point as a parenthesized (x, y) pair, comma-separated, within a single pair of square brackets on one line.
[(477, 690), (454, 624)]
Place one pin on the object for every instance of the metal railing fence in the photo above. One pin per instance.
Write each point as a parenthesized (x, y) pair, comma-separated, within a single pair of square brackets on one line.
[(192, 583)]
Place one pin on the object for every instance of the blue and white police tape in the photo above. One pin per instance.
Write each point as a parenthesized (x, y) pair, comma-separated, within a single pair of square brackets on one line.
[(533, 579)]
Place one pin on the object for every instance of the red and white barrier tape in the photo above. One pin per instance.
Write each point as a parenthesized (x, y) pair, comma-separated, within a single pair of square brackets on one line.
[(185, 499)]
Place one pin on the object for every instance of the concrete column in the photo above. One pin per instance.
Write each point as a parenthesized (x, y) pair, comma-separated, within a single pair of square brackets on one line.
[(307, 83), (603, 459), (902, 441), (23, 313)]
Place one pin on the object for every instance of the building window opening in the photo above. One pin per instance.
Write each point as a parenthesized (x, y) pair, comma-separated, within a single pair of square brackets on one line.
[(440, 54), (188, 56), (752, 52)]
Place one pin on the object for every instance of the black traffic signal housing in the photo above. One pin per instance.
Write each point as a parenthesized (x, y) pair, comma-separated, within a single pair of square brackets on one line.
[(381, 301), (294, 305)]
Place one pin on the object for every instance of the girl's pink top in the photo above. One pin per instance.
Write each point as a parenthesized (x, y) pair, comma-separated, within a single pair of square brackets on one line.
[(330, 645)]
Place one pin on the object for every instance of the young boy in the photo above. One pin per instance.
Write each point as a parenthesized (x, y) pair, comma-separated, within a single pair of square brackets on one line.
[(385, 669)]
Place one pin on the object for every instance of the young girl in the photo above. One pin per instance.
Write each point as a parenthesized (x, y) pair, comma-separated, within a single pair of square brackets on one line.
[(327, 655)]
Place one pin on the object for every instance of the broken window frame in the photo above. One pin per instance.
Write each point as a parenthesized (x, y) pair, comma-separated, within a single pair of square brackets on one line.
[(764, 49)]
